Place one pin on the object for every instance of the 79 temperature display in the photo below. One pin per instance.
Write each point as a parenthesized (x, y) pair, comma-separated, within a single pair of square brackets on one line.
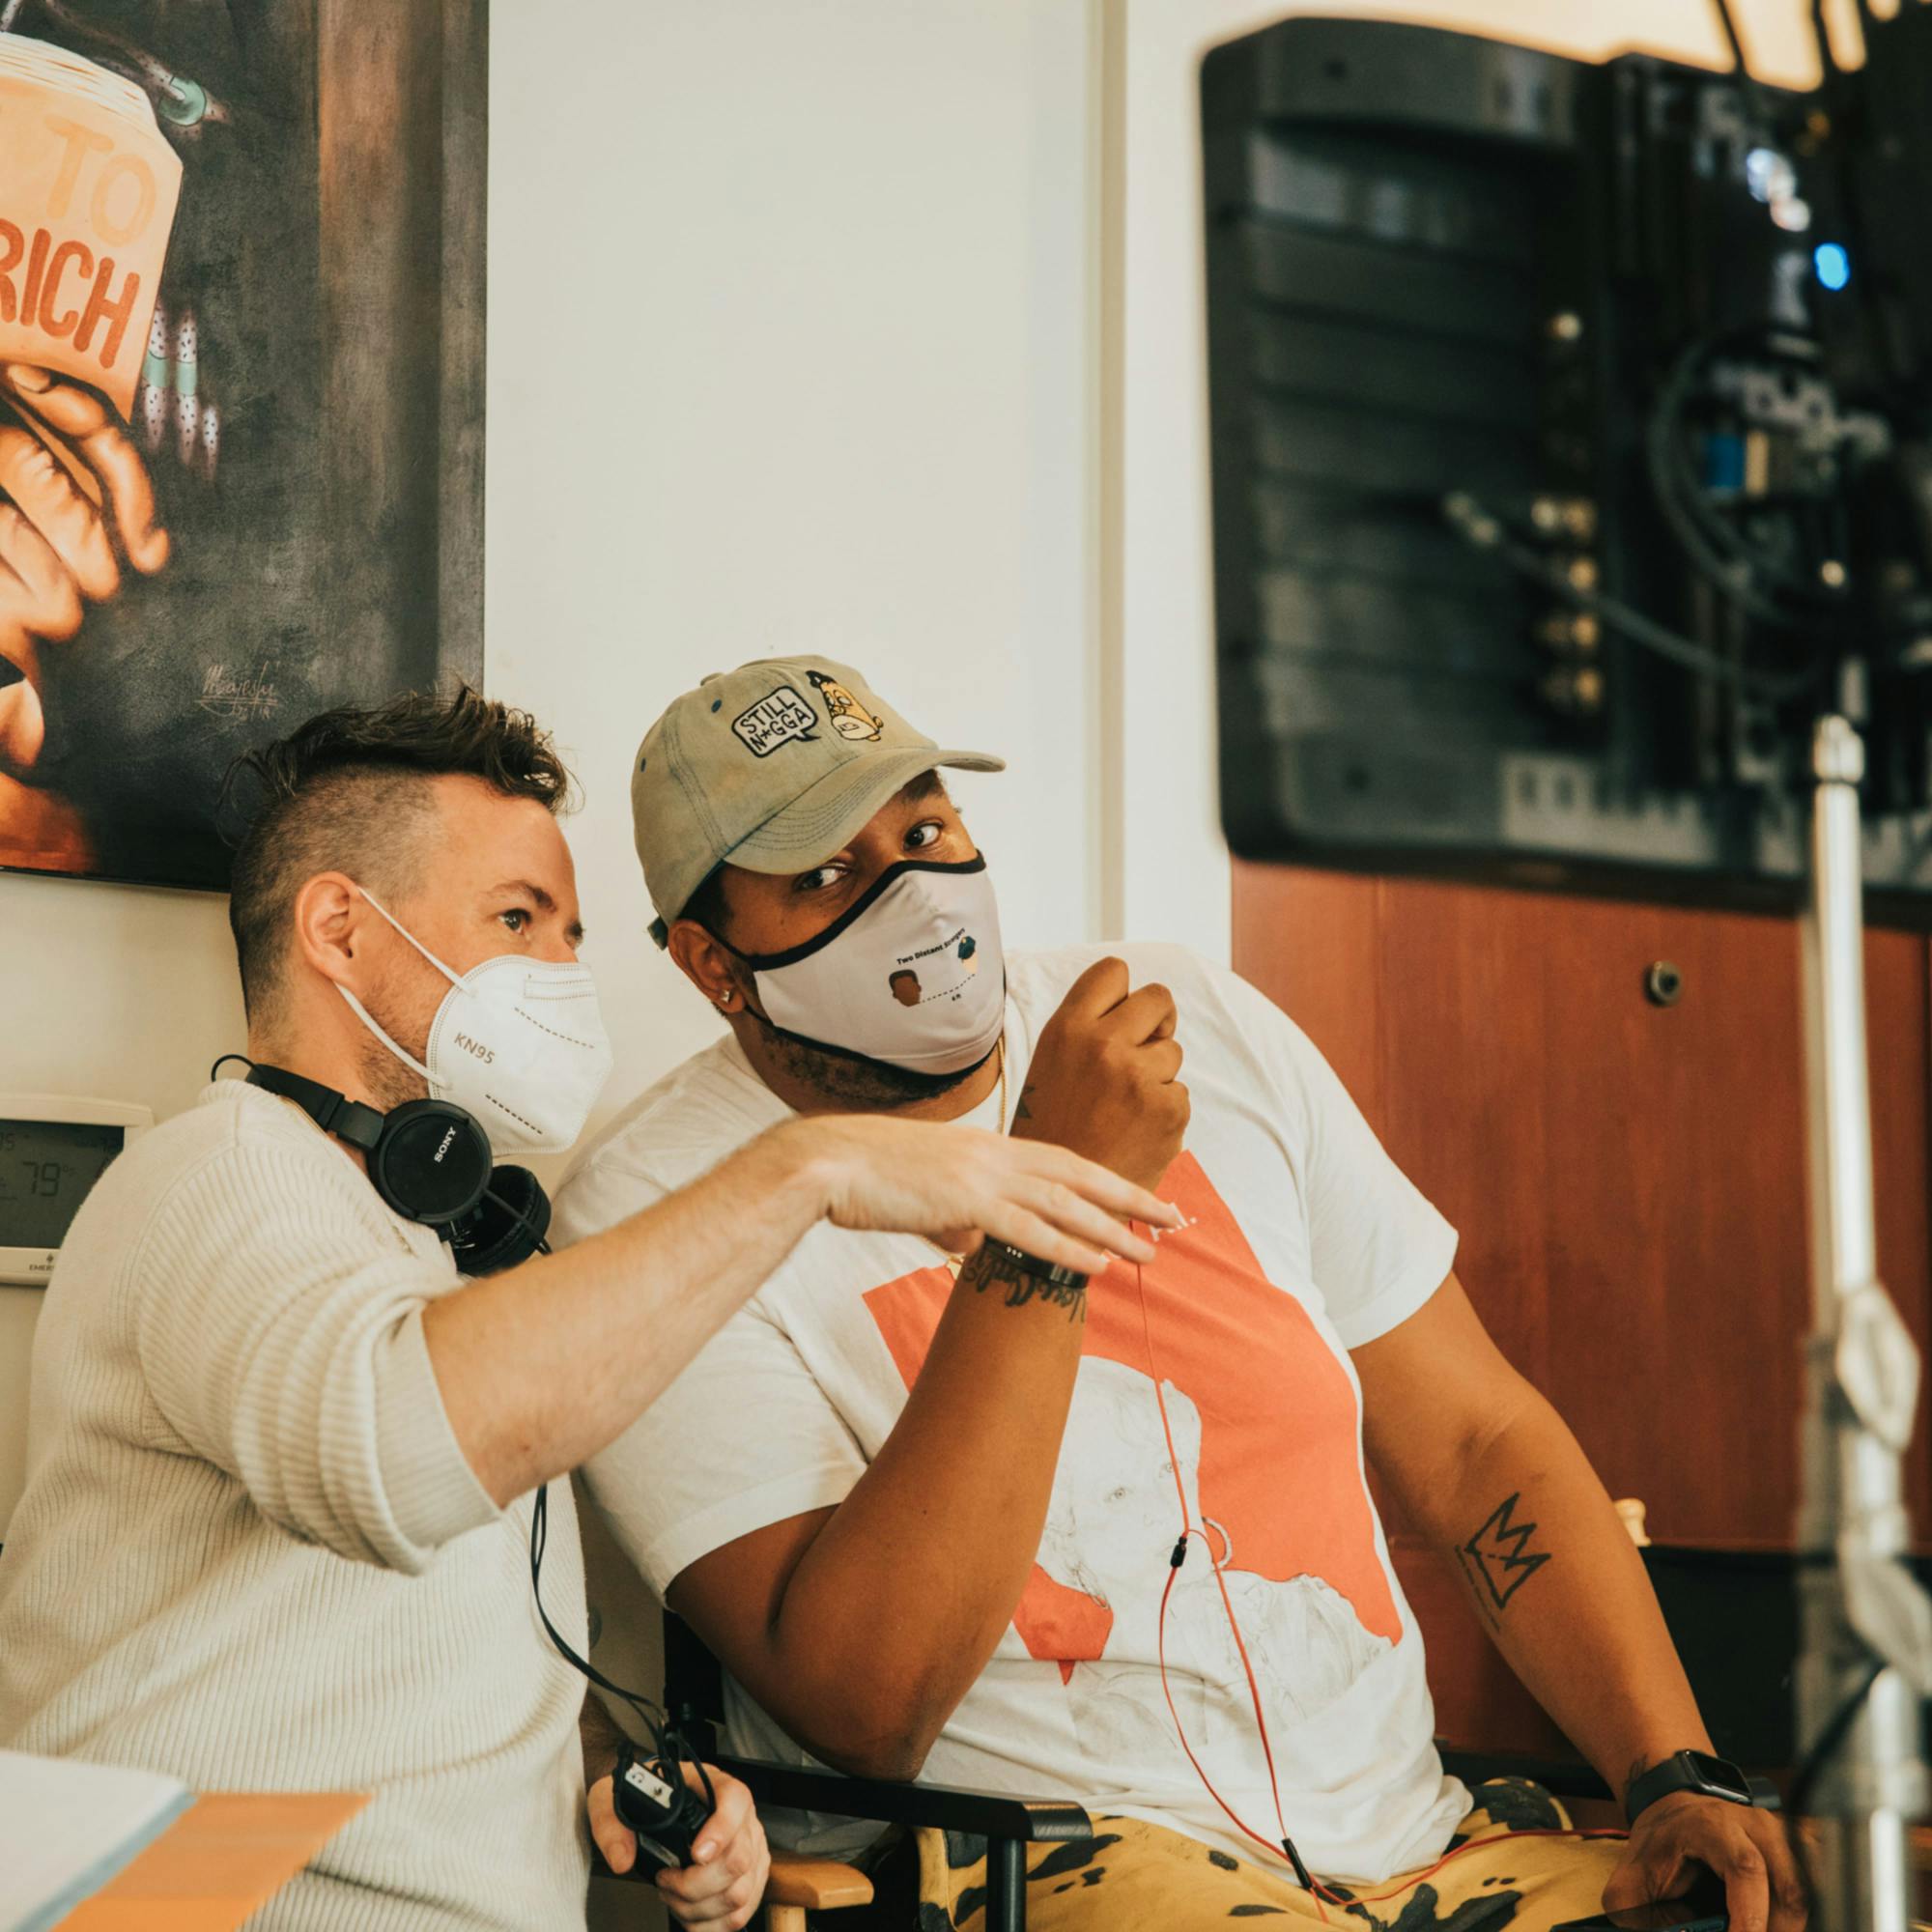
[(47, 1169)]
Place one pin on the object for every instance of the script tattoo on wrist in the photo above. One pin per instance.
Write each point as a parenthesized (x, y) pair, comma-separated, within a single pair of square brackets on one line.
[(991, 1268), (1499, 1560), (1024, 1110)]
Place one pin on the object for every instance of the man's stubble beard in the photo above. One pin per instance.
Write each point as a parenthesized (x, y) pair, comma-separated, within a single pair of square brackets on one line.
[(846, 1081), (387, 1081)]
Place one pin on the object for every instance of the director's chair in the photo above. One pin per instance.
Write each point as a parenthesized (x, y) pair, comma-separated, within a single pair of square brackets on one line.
[(1712, 1601), (695, 1700)]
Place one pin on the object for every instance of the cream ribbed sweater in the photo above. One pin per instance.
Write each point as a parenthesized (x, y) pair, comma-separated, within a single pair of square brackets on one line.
[(250, 1552)]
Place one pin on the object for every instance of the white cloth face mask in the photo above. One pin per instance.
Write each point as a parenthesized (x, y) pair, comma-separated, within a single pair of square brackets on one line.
[(518, 1043), (911, 974)]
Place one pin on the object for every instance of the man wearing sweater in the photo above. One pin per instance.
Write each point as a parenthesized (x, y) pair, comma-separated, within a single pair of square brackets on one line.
[(282, 1459), (1115, 1544)]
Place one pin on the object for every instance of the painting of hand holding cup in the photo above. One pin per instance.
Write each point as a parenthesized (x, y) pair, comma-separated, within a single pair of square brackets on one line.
[(240, 454), (89, 200)]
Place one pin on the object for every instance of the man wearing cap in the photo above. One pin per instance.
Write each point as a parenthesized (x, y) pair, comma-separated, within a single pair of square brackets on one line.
[(986, 1522)]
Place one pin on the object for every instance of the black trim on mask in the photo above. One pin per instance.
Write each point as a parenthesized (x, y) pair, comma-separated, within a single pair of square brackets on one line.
[(770, 962)]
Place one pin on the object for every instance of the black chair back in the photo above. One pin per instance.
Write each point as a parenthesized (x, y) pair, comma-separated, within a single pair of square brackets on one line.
[(693, 1691), (695, 1700)]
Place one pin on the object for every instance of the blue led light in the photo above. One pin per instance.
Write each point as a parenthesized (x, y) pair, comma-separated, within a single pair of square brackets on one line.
[(1723, 462), (1832, 264)]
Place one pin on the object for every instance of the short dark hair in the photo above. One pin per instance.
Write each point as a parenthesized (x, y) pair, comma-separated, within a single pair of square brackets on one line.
[(345, 791), (706, 904)]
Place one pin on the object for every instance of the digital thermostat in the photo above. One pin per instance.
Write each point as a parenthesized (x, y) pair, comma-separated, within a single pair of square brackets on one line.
[(52, 1149)]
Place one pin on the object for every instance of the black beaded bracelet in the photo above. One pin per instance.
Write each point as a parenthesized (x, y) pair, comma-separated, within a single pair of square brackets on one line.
[(1050, 1272)]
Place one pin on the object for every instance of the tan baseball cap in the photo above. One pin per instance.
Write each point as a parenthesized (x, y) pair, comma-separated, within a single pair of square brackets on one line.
[(774, 766)]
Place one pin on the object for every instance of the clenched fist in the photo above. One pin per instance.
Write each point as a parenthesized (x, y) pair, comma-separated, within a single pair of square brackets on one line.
[(722, 1884), (1105, 1076), (76, 512)]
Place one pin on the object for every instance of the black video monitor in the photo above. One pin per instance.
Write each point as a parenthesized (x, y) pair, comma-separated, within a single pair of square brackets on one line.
[(1556, 485)]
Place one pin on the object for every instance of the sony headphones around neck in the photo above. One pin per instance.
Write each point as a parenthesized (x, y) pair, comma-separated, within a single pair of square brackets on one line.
[(430, 1161)]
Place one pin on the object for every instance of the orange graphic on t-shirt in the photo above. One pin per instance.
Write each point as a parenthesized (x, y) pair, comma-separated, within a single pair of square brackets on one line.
[(1280, 1465)]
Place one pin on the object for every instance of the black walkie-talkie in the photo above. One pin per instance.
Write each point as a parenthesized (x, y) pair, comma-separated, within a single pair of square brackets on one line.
[(662, 1810)]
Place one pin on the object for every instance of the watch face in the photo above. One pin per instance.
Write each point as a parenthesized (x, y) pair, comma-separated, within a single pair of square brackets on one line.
[(1719, 1776)]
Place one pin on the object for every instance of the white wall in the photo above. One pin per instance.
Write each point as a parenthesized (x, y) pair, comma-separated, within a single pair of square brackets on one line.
[(822, 383)]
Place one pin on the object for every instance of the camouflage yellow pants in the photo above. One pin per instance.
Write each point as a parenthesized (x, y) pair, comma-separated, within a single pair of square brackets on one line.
[(1137, 1876)]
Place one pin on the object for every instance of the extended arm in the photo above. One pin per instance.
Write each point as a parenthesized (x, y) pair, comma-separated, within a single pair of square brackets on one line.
[(542, 1366), (368, 1406)]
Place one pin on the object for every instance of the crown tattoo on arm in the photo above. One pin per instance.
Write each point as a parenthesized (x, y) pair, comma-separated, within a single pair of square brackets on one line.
[(1498, 1559)]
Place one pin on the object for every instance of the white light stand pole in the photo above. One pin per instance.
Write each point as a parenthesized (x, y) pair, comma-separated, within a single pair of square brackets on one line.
[(1861, 1607)]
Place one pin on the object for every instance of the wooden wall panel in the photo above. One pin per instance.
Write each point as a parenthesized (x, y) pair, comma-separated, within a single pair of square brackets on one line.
[(1627, 1179), (1675, 1210)]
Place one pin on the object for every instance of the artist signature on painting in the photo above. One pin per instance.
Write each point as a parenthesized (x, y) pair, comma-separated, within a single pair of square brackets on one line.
[(227, 695)]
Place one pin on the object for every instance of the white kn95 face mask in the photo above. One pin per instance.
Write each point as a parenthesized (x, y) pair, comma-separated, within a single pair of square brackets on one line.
[(518, 1043), (911, 973)]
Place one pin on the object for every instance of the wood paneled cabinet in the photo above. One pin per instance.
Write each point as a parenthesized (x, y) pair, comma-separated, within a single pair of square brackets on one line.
[(1628, 1177)]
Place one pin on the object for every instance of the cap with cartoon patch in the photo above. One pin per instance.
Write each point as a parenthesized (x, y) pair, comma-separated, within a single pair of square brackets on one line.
[(773, 766)]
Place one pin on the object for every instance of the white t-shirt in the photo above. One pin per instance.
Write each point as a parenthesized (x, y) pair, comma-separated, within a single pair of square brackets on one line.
[(1305, 1241)]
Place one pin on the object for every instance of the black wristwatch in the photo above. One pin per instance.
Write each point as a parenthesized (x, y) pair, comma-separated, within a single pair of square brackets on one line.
[(1687, 1771)]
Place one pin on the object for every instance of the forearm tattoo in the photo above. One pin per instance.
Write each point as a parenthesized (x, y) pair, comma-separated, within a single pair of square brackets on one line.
[(993, 1268), (1499, 1560)]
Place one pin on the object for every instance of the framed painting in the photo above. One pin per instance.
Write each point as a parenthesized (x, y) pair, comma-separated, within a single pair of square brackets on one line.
[(241, 308)]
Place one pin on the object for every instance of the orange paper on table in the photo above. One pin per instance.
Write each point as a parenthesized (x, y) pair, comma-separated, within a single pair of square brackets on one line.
[(217, 1863), (88, 187)]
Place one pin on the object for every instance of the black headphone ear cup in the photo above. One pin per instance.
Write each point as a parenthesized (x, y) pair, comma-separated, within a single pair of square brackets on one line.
[(431, 1162), (508, 1226)]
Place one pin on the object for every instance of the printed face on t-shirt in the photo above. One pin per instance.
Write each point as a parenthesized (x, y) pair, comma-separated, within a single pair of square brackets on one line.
[(1252, 1392), (1115, 1498)]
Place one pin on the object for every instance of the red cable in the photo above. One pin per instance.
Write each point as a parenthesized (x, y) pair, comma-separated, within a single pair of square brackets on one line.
[(1188, 1530), (1475, 1844), (1315, 1886), (1180, 1731)]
